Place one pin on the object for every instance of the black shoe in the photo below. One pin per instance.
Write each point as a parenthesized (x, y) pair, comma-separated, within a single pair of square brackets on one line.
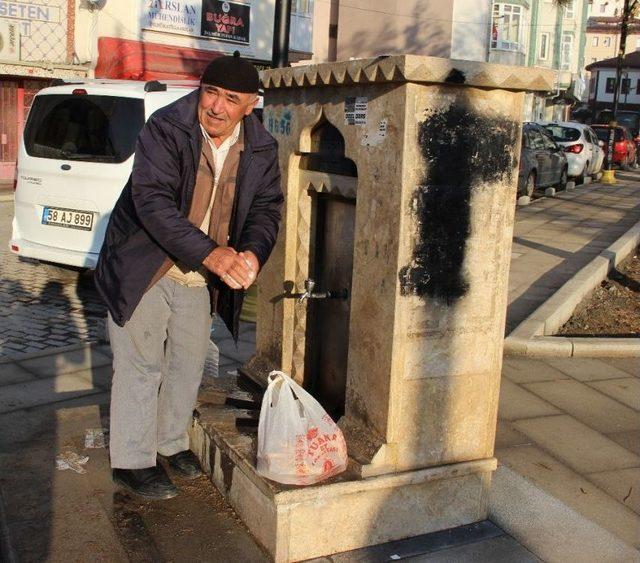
[(151, 482), (185, 463)]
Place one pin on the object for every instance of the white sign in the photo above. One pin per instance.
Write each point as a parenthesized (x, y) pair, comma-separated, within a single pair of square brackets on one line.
[(172, 16), (9, 41), (28, 11), (355, 110)]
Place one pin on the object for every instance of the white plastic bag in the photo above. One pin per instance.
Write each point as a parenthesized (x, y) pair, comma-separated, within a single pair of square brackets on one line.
[(298, 442)]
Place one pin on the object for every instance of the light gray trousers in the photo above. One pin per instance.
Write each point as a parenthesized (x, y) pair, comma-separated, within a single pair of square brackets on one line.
[(158, 361)]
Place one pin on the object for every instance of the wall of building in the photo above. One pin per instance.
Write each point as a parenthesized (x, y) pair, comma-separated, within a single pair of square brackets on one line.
[(368, 28), (176, 24), (606, 8), (470, 30)]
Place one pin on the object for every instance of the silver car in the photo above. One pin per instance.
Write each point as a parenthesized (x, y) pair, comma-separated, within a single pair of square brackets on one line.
[(581, 146)]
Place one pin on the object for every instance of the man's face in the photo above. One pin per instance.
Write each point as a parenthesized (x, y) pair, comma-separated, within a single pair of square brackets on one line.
[(220, 110)]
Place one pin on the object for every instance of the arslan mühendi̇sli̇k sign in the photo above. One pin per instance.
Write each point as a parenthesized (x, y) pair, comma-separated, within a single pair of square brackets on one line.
[(213, 19)]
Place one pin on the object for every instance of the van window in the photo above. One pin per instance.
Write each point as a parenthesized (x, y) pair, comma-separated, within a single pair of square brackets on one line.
[(83, 127)]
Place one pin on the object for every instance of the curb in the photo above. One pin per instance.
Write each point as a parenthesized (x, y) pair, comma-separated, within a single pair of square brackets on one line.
[(546, 525), (533, 336)]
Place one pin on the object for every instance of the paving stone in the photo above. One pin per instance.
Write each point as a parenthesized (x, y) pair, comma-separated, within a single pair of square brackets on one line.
[(66, 362), (576, 491), (42, 391), (507, 435), (576, 445), (622, 484), (629, 440), (13, 373), (587, 405), (587, 369), (517, 403), (526, 370), (630, 365), (626, 390)]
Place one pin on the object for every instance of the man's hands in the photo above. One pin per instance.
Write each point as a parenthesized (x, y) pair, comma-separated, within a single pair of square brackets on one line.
[(237, 269)]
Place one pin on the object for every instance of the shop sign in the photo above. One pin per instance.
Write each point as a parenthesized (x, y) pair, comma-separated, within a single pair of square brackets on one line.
[(212, 19), (227, 21)]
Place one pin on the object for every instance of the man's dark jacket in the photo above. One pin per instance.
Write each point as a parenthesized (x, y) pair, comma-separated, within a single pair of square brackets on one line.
[(149, 221)]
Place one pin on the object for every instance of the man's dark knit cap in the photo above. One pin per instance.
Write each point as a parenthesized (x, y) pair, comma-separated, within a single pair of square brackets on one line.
[(232, 73)]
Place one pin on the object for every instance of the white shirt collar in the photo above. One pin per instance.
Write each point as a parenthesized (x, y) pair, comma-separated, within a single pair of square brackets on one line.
[(226, 144)]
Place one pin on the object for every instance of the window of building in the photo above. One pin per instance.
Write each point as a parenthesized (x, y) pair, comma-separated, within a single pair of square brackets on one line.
[(638, 86), (603, 8), (566, 50), (594, 41), (606, 42), (570, 11), (507, 27), (594, 59), (302, 7), (626, 85), (610, 85), (544, 46), (637, 44)]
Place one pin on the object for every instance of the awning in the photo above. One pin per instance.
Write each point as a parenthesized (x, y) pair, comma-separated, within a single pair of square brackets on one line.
[(138, 60)]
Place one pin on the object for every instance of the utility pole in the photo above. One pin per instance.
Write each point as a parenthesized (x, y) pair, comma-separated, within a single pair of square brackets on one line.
[(629, 5), (281, 27)]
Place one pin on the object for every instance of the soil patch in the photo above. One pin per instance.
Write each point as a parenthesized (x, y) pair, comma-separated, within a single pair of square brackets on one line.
[(613, 309)]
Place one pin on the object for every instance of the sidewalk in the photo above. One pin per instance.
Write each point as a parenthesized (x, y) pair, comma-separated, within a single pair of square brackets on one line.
[(568, 436), (47, 404), (555, 237)]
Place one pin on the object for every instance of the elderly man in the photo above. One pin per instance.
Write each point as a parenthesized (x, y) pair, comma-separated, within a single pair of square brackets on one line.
[(194, 224)]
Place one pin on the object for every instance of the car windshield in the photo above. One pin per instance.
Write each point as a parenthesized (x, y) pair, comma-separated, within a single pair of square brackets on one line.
[(603, 133), (83, 127), (563, 134), (629, 120)]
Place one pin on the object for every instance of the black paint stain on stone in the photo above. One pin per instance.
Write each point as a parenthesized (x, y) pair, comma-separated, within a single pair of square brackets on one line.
[(455, 76), (462, 151)]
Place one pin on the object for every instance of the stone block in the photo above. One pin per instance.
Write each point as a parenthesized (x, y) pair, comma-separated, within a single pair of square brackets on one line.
[(571, 185), (629, 440), (299, 523), (550, 192), (558, 514), (587, 369), (66, 362), (587, 405), (525, 370), (13, 373), (621, 484), (524, 200), (516, 403), (625, 390), (576, 445)]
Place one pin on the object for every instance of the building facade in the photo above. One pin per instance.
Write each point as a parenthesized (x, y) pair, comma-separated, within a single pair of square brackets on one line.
[(602, 84), (603, 38), (42, 40)]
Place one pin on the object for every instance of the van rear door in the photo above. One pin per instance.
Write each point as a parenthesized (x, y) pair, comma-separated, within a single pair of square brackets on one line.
[(76, 158)]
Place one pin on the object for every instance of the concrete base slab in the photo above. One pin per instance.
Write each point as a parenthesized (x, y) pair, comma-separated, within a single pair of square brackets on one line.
[(298, 523)]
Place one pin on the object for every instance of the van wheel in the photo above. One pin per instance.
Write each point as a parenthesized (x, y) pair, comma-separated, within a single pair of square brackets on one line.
[(530, 184)]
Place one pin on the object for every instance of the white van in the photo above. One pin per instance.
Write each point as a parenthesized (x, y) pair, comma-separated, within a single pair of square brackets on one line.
[(75, 157)]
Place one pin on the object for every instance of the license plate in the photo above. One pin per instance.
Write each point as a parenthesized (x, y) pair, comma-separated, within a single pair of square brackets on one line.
[(69, 218)]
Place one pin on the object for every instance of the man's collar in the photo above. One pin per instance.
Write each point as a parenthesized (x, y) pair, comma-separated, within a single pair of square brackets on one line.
[(236, 137)]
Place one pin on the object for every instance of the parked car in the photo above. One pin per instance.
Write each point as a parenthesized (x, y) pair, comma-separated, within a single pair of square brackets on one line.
[(543, 162), (624, 148), (580, 143), (75, 157)]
